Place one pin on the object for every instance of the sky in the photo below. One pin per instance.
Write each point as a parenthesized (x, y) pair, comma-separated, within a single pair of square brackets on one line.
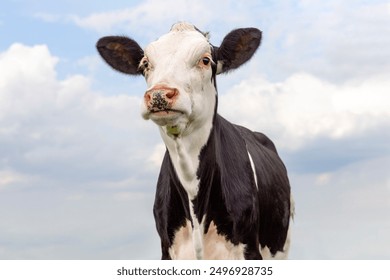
[(79, 165)]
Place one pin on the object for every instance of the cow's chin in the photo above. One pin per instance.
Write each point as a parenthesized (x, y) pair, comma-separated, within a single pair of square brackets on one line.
[(167, 117)]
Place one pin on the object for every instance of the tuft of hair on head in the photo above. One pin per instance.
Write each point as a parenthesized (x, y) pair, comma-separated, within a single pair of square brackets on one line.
[(185, 26)]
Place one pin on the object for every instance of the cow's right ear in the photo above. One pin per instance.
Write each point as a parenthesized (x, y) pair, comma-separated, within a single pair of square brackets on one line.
[(121, 53)]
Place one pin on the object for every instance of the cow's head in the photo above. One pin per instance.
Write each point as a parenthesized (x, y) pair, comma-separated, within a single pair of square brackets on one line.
[(179, 69)]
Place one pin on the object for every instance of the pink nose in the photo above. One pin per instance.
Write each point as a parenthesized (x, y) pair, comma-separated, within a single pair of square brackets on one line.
[(160, 98)]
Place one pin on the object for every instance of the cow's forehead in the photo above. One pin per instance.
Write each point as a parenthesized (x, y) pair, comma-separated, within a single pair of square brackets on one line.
[(183, 38)]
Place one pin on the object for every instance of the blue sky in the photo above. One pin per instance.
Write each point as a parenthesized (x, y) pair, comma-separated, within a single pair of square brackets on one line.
[(78, 164)]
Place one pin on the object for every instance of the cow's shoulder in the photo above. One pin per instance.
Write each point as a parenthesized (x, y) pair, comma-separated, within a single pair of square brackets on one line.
[(256, 138), (225, 172), (170, 205), (273, 189)]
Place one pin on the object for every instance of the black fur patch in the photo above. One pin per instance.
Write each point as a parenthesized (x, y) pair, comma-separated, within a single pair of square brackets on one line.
[(238, 47), (121, 53), (170, 205)]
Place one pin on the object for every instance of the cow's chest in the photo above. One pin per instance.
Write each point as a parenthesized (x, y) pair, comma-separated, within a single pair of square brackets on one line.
[(195, 243), (193, 240)]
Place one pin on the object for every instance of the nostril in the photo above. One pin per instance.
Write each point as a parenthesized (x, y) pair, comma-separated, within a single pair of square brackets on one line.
[(147, 97), (171, 93)]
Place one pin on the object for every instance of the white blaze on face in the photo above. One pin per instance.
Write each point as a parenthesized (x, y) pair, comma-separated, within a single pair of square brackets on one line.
[(181, 60)]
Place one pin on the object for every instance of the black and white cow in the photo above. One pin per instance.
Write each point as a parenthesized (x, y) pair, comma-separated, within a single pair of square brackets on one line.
[(223, 191)]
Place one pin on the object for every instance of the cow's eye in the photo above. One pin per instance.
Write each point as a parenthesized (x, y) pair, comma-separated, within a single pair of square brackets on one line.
[(206, 60), (144, 66), (145, 63)]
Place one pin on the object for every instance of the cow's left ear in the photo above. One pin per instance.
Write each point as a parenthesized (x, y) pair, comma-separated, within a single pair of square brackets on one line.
[(237, 48)]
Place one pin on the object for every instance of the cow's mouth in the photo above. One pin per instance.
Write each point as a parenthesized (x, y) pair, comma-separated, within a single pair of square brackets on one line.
[(165, 112), (163, 117)]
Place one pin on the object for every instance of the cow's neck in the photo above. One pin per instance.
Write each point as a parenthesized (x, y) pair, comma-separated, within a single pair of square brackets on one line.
[(184, 153)]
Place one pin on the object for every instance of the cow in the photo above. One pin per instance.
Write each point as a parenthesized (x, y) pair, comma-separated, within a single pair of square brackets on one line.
[(222, 191)]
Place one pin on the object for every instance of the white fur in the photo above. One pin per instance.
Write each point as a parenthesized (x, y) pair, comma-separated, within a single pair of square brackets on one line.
[(197, 233), (253, 169), (215, 246), (183, 245), (174, 62)]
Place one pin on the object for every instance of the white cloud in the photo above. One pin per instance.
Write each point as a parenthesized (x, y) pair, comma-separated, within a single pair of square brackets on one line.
[(71, 163), (332, 40), (10, 178), (62, 125), (143, 15), (19, 65), (91, 63), (151, 17), (157, 156), (47, 17), (303, 107)]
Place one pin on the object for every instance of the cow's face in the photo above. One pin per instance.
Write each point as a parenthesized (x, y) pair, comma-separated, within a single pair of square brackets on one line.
[(180, 69)]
